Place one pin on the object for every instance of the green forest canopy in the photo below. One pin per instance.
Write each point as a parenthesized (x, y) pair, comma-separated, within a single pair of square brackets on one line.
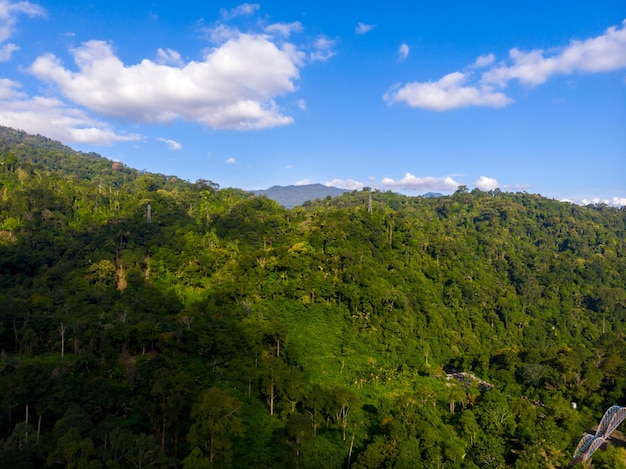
[(146, 320)]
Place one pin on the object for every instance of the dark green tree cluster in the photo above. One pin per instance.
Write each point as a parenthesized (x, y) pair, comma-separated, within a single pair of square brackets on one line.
[(148, 321)]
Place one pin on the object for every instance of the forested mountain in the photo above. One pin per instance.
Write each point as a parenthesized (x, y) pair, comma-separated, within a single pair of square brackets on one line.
[(290, 196), (147, 321)]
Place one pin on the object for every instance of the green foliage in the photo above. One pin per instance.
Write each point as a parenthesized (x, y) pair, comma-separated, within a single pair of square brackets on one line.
[(371, 330)]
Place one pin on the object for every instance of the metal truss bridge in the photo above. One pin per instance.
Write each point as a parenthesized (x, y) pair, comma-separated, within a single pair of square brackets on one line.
[(589, 443)]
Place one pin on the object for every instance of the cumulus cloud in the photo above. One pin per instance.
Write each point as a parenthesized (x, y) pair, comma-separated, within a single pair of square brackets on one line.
[(302, 182), (322, 49), (53, 118), (231, 161), (484, 61), (618, 201), (403, 52), (171, 144), (409, 183), (6, 51), (603, 53), (416, 184), (450, 92), (485, 183), (169, 56), (613, 202), (363, 28), (301, 104), (350, 184), (284, 29), (244, 9), (234, 87), (9, 13), (220, 33)]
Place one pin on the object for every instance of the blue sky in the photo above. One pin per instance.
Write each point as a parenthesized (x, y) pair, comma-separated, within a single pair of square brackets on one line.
[(405, 96)]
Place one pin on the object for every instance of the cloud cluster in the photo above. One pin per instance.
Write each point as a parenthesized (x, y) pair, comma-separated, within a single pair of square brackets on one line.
[(613, 202), (235, 84), (233, 87), (350, 184), (409, 183), (322, 49), (485, 183), (603, 53), (450, 92), (416, 184), (53, 118)]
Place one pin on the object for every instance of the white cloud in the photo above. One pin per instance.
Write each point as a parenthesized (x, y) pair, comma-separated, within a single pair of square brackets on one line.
[(169, 56), (484, 61), (517, 187), (447, 93), (485, 183), (6, 51), (171, 144), (284, 29), (9, 12), (613, 202), (618, 201), (302, 182), (350, 184), (301, 104), (403, 52), (415, 184), (408, 183), (322, 49), (363, 28), (234, 87), (244, 9), (231, 161), (53, 118), (603, 53), (220, 33)]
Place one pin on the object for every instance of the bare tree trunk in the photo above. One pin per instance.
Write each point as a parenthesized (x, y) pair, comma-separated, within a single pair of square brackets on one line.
[(351, 446), (163, 434), (26, 419), (62, 329)]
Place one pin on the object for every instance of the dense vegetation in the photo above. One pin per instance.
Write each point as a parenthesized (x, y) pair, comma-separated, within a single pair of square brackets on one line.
[(147, 321)]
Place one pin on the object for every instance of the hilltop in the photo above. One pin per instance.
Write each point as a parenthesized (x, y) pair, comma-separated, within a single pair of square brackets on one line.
[(290, 196)]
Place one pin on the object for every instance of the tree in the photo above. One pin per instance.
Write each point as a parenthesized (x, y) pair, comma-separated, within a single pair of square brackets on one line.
[(215, 424)]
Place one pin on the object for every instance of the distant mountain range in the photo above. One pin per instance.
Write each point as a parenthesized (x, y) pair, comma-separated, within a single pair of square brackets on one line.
[(290, 196)]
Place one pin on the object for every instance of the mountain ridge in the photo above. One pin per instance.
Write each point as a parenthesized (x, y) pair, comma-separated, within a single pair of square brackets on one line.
[(297, 194)]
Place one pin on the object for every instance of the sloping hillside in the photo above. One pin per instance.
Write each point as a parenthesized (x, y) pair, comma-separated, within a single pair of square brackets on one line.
[(149, 321)]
